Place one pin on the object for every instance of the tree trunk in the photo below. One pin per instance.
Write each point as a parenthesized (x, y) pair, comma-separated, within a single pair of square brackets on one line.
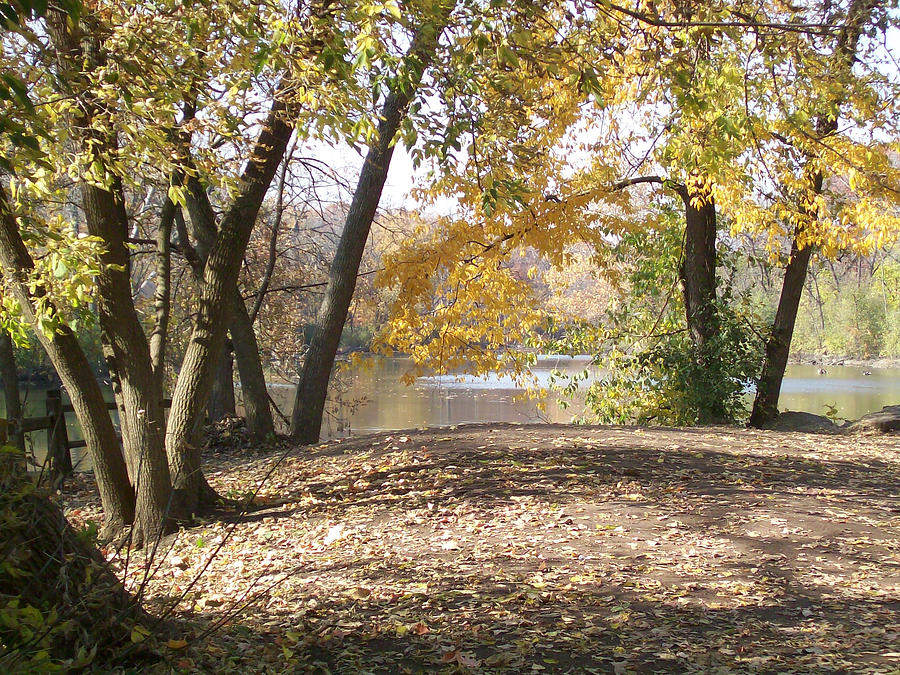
[(10, 376), (697, 273), (778, 345), (161, 297), (257, 412), (273, 238), (73, 369), (125, 346), (312, 389), (127, 354), (253, 380), (219, 279), (221, 398), (698, 270)]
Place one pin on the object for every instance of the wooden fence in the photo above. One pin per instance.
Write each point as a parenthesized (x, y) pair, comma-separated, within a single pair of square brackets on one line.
[(59, 447)]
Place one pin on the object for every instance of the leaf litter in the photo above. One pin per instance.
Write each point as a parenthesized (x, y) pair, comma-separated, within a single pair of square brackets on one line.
[(540, 549)]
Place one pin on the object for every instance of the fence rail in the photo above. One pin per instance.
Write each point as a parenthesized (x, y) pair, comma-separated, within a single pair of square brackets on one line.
[(59, 447)]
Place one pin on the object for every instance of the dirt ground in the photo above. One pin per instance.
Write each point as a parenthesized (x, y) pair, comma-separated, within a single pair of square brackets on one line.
[(541, 549)]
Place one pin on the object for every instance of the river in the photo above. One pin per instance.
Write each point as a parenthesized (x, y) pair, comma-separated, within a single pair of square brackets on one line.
[(374, 399)]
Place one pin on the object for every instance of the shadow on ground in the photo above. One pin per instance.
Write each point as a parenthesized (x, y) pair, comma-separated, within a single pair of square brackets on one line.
[(552, 548)]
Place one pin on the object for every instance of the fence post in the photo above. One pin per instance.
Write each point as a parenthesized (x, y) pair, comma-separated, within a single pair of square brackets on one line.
[(57, 438)]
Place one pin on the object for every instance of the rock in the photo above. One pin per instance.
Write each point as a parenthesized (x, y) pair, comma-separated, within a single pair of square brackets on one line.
[(802, 421), (885, 420)]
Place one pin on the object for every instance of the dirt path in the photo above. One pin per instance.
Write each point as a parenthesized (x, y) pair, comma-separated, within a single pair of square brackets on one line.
[(552, 549)]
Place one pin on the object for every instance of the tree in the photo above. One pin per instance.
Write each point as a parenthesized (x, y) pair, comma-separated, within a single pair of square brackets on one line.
[(139, 399), (37, 306), (35, 295), (703, 90), (309, 399), (243, 338), (219, 280), (816, 154)]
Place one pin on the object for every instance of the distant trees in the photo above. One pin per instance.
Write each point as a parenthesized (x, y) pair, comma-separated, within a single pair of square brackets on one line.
[(851, 307)]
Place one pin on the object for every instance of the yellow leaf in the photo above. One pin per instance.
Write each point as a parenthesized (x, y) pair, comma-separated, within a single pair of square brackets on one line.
[(139, 634), (177, 644)]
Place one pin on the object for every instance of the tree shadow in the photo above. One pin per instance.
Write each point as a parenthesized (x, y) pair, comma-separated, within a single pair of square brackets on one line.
[(588, 550)]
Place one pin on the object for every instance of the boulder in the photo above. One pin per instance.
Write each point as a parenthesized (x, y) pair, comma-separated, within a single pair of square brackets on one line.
[(885, 420), (802, 421)]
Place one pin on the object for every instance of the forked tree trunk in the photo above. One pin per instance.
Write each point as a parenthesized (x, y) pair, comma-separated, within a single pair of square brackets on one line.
[(312, 389), (127, 353), (257, 412), (72, 366)]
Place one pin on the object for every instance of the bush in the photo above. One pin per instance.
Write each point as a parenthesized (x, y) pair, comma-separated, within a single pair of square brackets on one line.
[(60, 607), (671, 383)]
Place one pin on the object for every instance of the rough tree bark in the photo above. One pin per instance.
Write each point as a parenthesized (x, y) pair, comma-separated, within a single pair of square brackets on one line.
[(219, 279), (221, 397), (162, 296), (698, 269), (71, 364), (312, 389), (699, 284), (778, 344), (257, 412), (127, 353)]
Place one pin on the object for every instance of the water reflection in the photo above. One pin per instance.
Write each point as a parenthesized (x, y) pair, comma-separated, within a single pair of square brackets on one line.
[(377, 400)]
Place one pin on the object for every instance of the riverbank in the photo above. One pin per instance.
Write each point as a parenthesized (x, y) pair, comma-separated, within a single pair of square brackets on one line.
[(505, 548), (826, 360)]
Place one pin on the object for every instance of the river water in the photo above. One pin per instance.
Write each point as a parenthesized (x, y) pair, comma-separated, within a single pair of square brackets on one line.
[(374, 399)]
